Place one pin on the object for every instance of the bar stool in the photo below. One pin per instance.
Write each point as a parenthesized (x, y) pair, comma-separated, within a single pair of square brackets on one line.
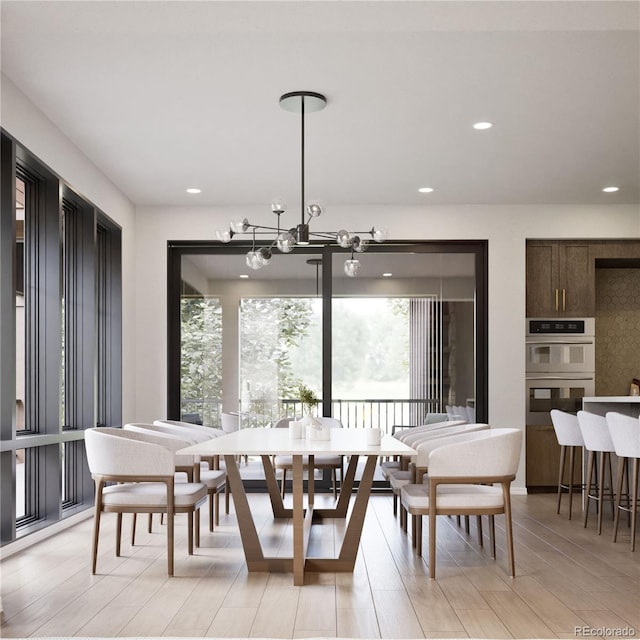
[(597, 440), (625, 434), (569, 437)]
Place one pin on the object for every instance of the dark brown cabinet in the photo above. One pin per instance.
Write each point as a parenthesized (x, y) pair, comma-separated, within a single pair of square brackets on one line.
[(543, 460), (560, 279)]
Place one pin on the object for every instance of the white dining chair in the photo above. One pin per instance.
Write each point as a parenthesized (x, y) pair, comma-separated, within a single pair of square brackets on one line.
[(145, 477), (214, 479), (625, 434), (460, 481)]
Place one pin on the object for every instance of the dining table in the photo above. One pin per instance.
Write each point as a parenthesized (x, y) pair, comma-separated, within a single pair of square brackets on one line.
[(268, 443)]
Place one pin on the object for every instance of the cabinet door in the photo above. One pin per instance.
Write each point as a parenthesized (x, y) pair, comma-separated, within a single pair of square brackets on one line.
[(542, 284), (576, 280)]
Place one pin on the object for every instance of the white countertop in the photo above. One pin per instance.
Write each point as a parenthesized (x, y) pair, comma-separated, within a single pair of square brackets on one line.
[(279, 442), (614, 399)]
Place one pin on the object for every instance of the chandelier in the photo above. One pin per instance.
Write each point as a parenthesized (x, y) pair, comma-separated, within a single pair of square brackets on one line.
[(285, 239)]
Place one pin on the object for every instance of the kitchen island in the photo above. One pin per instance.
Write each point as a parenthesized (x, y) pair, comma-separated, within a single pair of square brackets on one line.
[(629, 405)]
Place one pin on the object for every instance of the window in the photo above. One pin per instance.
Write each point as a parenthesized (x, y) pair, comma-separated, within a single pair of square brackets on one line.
[(54, 341)]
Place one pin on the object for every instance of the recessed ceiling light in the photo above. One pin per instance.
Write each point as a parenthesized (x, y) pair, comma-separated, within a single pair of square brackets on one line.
[(387, 275), (610, 189), (481, 126), (244, 275), (194, 190), (425, 190)]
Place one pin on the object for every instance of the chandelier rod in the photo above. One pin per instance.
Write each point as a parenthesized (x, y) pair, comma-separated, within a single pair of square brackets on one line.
[(302, 160)]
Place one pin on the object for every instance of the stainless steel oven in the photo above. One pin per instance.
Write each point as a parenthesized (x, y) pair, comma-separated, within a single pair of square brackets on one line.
[(560, 366)]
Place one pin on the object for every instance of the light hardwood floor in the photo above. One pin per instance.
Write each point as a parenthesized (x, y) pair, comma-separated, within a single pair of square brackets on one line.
[(568, 578)]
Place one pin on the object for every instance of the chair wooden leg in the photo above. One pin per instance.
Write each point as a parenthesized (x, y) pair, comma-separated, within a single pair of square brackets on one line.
[(395, 505), (97, 512), (284, 480), (418, 535), (196, 536), (403, 518), (492, 535), (432, 544), (572, 463), (622, 464), (227, 496), (216, 509), (588, 489), (508, 526), (413, 530), (466, 525), (479, 528), (118, 534), (634, 503), (211, 514), (150, 523), (563, 452), (134, 521)]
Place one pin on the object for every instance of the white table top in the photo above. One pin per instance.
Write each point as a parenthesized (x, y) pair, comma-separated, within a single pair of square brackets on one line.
[(279, 442)]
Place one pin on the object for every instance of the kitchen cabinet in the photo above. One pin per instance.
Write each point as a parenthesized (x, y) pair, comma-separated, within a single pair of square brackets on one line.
[(560, 279), (543, 460)]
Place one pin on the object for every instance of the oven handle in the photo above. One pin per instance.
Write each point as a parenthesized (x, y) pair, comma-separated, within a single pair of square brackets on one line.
[(536, 340), (566, 376)]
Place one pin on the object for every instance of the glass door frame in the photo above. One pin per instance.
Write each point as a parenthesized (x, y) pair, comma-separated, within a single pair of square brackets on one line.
[(177, 249)]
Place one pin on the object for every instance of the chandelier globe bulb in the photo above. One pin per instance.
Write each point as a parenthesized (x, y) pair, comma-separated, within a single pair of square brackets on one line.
[(278, 206), (351, 268), (239, 225), (343, 238), (254, 260), (285, 242), (224, 235), (362, 246), (379, 234), (314, 209)]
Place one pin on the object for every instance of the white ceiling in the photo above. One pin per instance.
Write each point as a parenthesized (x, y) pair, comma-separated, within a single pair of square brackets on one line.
[(167, 95)]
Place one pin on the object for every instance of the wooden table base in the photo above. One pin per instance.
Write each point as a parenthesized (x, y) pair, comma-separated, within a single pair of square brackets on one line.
[(303, 517)]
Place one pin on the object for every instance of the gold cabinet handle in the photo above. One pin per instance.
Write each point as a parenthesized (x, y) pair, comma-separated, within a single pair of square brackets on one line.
[(564, 299), (556, 299)]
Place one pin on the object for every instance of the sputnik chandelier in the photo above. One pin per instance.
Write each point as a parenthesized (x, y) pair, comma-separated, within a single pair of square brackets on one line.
[(286, 239)]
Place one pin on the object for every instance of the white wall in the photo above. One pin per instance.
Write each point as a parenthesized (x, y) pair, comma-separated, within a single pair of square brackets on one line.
[(27, 124), (506, 228)]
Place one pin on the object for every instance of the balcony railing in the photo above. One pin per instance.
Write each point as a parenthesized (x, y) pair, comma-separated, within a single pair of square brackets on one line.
[(356, 414)]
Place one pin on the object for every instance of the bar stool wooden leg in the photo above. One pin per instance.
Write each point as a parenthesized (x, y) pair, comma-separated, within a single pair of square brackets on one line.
[(572, 462), (563, 452), (588, 489), (603, 455), (622, 463), (634, 503)]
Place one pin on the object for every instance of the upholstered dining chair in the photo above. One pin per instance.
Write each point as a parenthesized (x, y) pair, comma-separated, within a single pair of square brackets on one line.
[(408, 435), (418, 465), (625, 434), (570, 439), (459, 483), (212, 432), (212, 463), (214, 479), (145, 477)]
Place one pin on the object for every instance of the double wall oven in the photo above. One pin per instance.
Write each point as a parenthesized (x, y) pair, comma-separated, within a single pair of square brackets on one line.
[(560, 366)]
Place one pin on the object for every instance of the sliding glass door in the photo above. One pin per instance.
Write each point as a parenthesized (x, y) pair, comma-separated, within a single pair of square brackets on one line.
[(405, 338)]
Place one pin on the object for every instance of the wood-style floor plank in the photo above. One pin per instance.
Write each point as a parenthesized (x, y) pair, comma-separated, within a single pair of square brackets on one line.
[(567, 577)]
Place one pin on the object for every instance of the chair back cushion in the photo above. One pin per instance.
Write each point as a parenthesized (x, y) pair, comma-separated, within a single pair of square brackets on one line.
[(567, 429), (595, 432), (492, 453), (625, 434), (112, 454)]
